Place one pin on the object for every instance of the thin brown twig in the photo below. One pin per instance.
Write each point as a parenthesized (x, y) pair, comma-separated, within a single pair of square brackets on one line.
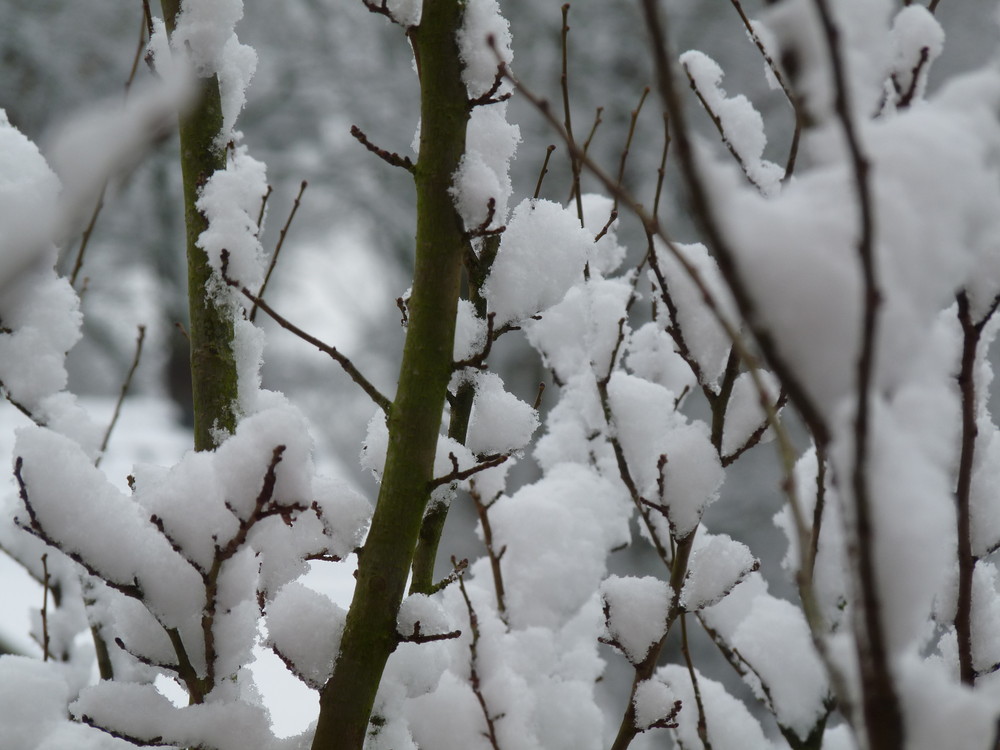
[(490, 95), (474, 680), (456, 475), (818, 509), (574, 159), (138, 53), (45, 607), (478, 360), (263, 206), (755, 436), (628, 140), (545, 169), (85, 237), (381, 9), (126, 384), (963, 492), (593, 131), (483, 512), (607, 225), (355, 374), (906, 97), (281, 242), (693, 674), (418, 636), (661, 170), (389, 157)]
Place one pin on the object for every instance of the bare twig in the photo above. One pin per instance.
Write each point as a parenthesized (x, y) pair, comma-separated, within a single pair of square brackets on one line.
[(487, 462), (574, 158), (45, 607), (263, 207), (963, 492), (417, 636), (121, 396), (818, 508), (545, 168), (906, 97), (607, 225), (483, 230), (381, 401), (628, 140), (457, 571), (693, 674), (661, 170), (490, 96), (388, 157), (593, 131), (140, 46), (483, 512), (755, 436), (281, 243), (538, 396), (85, 238), (381, 9), (478, 361), (474, 682)]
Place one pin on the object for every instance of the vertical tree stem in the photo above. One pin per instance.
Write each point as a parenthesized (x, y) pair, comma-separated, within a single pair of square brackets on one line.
[(213, 364), (422, 581), (346, 701)]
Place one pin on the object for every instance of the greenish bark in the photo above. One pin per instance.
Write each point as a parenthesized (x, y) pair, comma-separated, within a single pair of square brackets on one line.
[(370, 636), (210, 330), (422, 580)]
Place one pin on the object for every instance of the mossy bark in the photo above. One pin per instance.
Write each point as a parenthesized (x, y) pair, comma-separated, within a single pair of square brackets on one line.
[(370, 636), (210, 329)]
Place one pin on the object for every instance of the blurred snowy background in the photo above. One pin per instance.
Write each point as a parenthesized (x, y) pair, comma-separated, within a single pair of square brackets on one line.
[(325, 65)]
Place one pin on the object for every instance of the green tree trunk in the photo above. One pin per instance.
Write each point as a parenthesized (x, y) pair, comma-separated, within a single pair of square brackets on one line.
[(370, 636), (210, 331)]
